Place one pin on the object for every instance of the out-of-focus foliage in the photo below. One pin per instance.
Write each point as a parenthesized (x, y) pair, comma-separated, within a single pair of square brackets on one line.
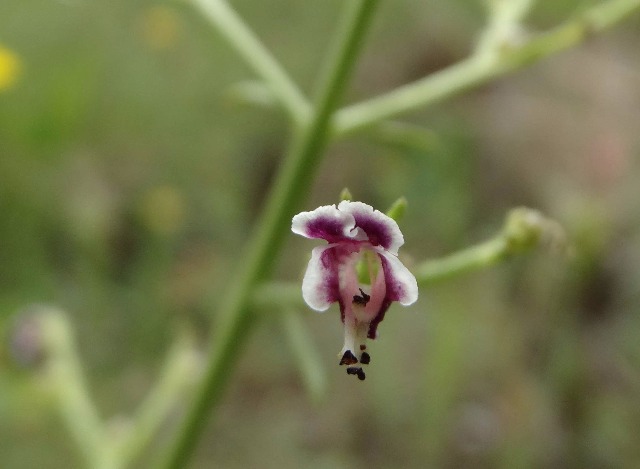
[(129, 179)]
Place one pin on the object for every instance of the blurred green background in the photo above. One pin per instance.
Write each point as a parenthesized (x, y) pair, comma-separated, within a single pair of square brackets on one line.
[(131, 174)]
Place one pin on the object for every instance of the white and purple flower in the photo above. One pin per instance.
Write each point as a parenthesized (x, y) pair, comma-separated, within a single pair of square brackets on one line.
[(359, 269)]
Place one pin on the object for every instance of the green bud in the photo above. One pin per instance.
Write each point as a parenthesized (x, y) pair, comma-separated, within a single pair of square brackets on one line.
[(523, 228), (397, 209), (346, 194), (251, 92)]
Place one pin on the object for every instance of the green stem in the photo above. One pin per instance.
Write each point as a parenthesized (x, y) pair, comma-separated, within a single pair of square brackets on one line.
[(271, 296), (504, 26), (67, 382), (305, 355), (179, 373), (101, 448), (257, 56), (480, 68), (289, 189), (476, 257), (524, 229)]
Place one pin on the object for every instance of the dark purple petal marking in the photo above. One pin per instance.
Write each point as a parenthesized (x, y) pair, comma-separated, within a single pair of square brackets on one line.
[(395, 290), (320, 286), (331, 282), (378, 233), (380, 229), (327, 228), (400, 282), (326, 222), (373, 325)]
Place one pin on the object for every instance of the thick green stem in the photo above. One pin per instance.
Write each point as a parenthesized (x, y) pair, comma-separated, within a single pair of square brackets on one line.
[(289, 189), (480, 68), (258, 57)]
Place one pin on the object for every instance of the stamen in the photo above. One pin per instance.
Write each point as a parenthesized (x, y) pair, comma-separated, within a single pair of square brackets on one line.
[(365, 358), (353, 370), (361, 299), (348, 358)]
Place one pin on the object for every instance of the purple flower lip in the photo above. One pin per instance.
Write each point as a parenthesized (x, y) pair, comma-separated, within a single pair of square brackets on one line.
[(357, 235), (350, 221)]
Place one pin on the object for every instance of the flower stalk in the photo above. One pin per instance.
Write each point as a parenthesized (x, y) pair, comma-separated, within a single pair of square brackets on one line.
[(524, 230)]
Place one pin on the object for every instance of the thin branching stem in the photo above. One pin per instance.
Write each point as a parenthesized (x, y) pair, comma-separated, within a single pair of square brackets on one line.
[(481, 68), (256, 55), (304, 354)]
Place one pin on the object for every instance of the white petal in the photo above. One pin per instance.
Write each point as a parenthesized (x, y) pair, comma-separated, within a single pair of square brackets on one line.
[(326, 222), (380, 229), (320, 286), (401, 284)]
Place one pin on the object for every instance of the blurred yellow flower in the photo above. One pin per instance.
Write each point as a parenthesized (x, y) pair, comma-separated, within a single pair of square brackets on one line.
[(163, 210), (160, 27), (9, 68)]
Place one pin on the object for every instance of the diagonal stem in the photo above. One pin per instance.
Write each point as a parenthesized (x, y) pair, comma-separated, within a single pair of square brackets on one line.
[(524, 229), (178, 376), (66, 379), (245, 42), (480, 68), (289, 189), (480, 256), (305, 355)]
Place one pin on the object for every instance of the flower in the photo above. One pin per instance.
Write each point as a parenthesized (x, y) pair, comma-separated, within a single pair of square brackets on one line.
[(359, 269), (160, 27), (9, 68)]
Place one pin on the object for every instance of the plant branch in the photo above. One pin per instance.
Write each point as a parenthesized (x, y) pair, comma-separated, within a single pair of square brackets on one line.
[(524, 229), (243, 40), (289, 189), (66, 380), (480, 256), (503, 27), (480, 68), (305, 355), (180, 371), (101, 447)]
